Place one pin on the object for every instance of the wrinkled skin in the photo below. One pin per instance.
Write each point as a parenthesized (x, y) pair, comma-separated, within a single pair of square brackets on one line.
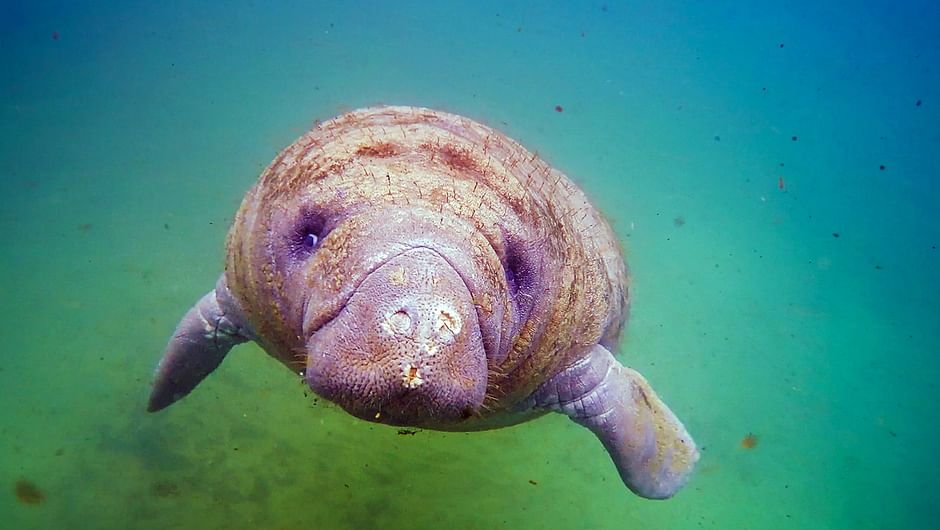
[(418, 268)]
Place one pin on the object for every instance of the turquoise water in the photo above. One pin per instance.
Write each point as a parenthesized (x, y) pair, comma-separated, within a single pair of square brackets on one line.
[(785, 286)]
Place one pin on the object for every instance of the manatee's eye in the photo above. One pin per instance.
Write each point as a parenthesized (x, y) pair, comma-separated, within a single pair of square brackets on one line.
[(307, 234), (518, 269), (522, 272), (310, 241), (514, 273)]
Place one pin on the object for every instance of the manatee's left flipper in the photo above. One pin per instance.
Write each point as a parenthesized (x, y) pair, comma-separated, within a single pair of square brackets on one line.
[(651, 449), (201, 340)]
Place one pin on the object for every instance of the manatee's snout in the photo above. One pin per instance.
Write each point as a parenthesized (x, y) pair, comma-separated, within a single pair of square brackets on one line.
[(406, 349)]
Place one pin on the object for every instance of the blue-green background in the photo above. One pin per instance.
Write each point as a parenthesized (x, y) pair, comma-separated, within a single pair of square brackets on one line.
[(127, 143)]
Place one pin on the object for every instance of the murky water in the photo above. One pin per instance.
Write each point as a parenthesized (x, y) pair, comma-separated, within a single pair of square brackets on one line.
[(771, 169)]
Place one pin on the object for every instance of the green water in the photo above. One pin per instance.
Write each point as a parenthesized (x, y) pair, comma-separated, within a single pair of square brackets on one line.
[(129, 133)]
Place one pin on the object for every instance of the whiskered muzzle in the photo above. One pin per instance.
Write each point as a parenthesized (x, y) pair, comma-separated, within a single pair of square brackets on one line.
[(406, 349)]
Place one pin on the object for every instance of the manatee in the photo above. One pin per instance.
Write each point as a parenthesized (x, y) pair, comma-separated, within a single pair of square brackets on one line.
[(421, 269)]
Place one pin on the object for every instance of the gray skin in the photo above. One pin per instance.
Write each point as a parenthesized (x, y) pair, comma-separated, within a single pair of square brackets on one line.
[(421, 269)]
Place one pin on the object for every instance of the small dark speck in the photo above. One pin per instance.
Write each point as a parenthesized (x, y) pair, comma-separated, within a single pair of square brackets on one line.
[(879, 267), (893, 434), (604, 8), (60, 451), (166, 226), (345, 485), (165, 489), (409, 432), (534, 483), (763, 89), (794, 138), (881, 167), (717, 138), (679, 221), (559, 108), (918, 103), (781, 45), (835, 234), (234, 449)]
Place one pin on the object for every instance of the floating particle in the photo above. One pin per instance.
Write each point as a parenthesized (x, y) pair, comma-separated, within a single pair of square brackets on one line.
[(794, 138), (165, 489), (749, 441), (835, 234), (55, 36), (780, 182), (781, 45), (717, 138), (28, 493), (918, 103), (881, 167), (558, 108), (679, 221)]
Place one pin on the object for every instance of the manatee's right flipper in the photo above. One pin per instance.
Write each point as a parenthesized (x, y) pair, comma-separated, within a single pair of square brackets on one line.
[(200, 342), (651, 449)]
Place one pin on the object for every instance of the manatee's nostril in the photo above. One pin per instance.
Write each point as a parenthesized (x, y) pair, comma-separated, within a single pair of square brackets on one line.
[(398, 322)]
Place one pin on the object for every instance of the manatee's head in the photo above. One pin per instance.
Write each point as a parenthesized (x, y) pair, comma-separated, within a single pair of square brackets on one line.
[(373, 258), (399, 315)]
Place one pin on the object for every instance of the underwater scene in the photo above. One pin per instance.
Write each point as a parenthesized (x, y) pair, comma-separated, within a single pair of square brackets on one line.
[(769, 169)]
